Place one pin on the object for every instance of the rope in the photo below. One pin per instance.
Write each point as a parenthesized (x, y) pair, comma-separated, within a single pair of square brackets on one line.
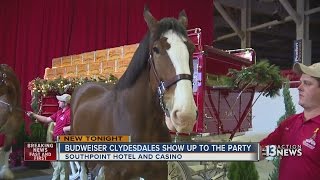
[(11, 108)]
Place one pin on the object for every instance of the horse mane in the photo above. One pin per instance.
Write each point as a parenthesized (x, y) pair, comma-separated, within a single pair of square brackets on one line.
[(14, 84), (168, 23), (140, 58), (138, 63)]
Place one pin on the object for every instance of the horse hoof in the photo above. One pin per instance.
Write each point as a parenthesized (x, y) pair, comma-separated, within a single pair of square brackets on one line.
[(6, 174)]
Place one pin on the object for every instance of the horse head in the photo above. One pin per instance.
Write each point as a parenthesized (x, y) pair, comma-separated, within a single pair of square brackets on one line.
[(9, 84), (170, 60)]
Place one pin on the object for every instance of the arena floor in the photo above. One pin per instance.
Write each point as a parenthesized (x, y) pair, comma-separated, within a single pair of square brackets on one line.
[(23, 173)]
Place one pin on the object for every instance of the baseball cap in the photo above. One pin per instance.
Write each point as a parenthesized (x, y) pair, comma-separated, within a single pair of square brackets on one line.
[(312, 70), (64, 97)]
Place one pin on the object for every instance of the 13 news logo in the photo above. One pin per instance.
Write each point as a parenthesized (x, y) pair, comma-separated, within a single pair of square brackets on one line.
[(282, 150)]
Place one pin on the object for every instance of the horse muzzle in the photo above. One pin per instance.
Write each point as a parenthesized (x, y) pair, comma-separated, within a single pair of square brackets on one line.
[(183, 122)]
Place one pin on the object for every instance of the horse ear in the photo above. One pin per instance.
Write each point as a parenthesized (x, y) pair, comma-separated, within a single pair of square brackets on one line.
[(183, 18), (150, 20)]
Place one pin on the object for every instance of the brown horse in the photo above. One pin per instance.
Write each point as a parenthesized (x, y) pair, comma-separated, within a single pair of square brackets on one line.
[(11, 116), (157, 83)]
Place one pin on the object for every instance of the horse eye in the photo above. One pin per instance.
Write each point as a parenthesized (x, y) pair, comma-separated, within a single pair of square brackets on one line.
[(156, 50)]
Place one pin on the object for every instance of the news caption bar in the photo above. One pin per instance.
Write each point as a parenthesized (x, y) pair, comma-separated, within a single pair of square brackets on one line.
[(120, 148)]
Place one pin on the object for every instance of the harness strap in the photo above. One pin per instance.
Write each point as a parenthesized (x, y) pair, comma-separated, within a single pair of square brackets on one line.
[(153, 68), (176, 79), (5, 103)]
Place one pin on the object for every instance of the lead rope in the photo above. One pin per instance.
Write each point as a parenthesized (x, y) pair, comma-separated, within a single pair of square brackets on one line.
[(9, 105), (11, 108)]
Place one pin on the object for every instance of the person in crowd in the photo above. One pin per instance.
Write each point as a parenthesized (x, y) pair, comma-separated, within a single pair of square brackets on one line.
[(62, 121), (301, 129)]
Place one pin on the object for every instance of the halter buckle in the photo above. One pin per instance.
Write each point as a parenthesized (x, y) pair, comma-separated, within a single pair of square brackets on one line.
[(3, 80), (161, 91), (161, 88)]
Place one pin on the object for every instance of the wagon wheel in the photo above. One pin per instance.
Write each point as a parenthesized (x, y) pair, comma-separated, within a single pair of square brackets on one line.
[(214, 170), (178, 171), (74, 165), (209, 170)]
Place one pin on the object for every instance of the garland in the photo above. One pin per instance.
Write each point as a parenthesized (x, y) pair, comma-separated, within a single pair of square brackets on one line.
[(43, 87), (262, 76)]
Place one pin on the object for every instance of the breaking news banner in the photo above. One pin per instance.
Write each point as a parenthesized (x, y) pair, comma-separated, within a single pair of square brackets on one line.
[(157, 151), (39, 151), (282, 150)]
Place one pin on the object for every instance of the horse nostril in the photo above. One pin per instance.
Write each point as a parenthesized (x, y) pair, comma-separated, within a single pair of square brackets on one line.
[(175, 114)]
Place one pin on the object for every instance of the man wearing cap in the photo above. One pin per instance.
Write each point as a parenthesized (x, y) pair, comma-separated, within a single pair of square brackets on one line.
[(62, 126), (301, 129)]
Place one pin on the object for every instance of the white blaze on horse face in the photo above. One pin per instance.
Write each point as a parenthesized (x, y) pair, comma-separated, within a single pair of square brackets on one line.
[(183, 112)]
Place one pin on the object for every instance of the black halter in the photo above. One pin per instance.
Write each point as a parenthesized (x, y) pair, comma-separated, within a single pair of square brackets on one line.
[(3, 82), (3, 78), (164, 85)]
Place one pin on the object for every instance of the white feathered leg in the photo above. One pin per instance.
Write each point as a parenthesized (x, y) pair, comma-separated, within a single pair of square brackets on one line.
[(83, 172), (101, 175), (5, 172)]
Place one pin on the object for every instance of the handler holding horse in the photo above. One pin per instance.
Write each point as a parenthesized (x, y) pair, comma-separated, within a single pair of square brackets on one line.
[(62, 120), (157, 83), (11, 115)]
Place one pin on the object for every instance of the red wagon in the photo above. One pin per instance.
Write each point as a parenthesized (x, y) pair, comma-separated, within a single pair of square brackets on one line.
[(222, 112)]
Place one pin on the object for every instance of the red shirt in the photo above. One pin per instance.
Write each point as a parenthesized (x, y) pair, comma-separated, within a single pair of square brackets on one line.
[(62, 120), (295, 131)]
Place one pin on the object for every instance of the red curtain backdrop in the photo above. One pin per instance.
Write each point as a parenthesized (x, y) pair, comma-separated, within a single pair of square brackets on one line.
[(34, 32)]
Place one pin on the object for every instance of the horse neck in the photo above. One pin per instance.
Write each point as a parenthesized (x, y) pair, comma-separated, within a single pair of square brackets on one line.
[(143, 90), (14, 94)]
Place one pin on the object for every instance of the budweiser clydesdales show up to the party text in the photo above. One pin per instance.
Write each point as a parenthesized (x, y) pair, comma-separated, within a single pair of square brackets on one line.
[(119, 148)]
